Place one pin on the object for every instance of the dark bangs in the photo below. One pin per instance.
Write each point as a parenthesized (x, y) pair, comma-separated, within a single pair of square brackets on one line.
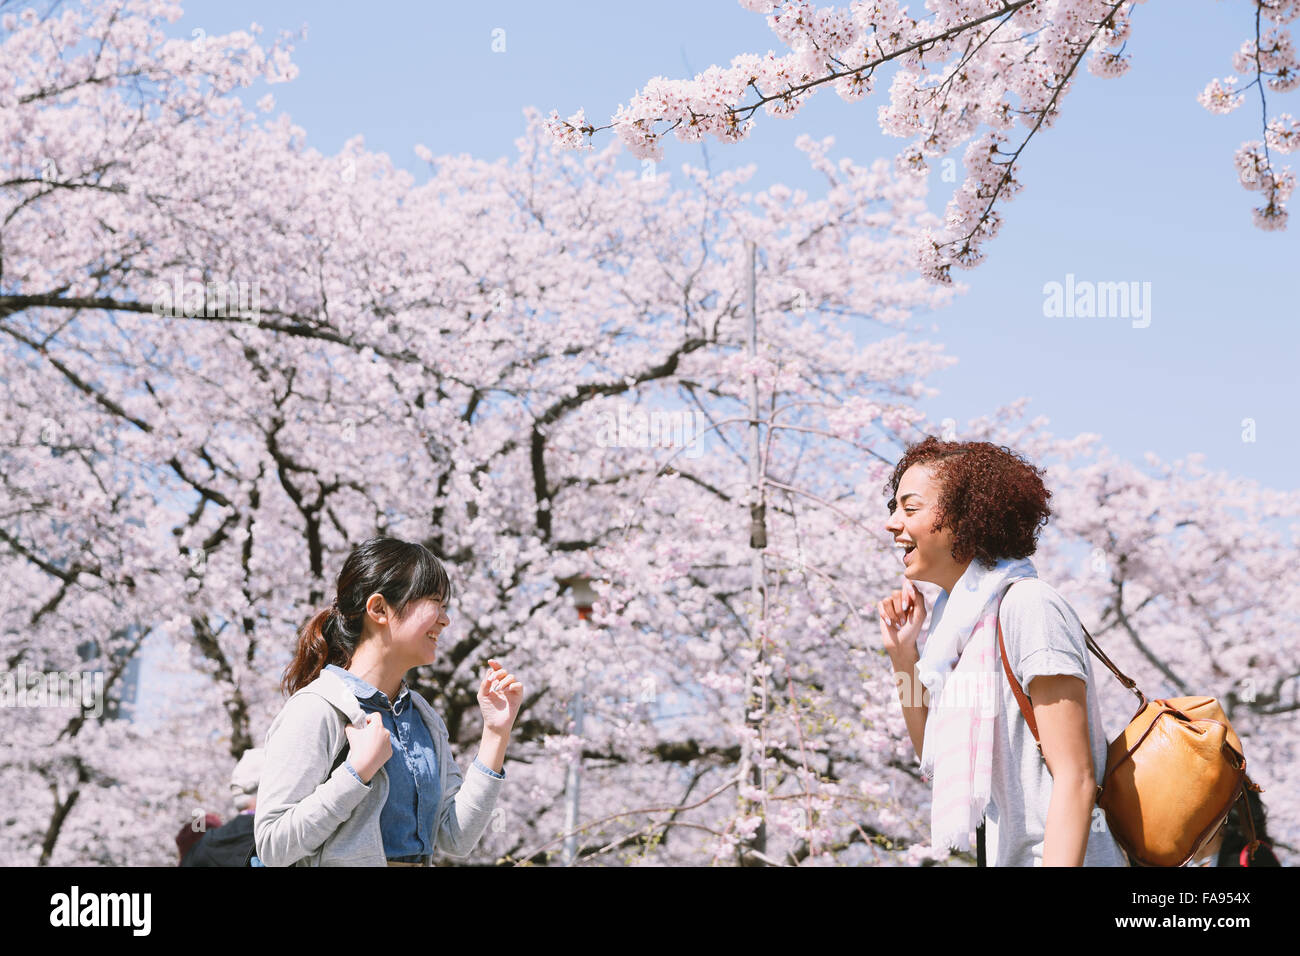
[(429, 578)]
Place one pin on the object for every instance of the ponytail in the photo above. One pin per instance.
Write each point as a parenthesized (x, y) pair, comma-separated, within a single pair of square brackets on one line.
[(400, 571), (318, 645)]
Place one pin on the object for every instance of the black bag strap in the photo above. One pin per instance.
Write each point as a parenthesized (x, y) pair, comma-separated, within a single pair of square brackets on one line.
[(343, 755)]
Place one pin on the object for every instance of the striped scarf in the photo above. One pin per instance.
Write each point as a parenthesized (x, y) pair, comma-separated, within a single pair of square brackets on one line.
[(961, 669)]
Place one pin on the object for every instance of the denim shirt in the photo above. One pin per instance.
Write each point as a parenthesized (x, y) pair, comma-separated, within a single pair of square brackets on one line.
[(411, 809)]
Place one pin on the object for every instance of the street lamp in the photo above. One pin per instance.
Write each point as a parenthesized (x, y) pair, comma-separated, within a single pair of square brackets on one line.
[(584, 596)]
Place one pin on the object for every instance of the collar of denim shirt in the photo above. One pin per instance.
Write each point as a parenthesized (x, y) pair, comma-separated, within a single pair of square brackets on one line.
[(368, 694)]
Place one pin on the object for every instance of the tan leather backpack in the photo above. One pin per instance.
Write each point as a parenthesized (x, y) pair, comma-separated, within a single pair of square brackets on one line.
[(1172, 775)]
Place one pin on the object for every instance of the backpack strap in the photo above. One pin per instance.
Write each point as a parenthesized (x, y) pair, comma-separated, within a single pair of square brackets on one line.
[(343, 755), (354, 716), (1252, 844), (338, 760), (1124, 679), (1025, 709), (1021, 699)]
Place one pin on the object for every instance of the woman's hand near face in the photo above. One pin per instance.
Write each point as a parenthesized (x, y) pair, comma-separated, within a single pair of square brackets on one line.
[(499, 695), (902, 616)]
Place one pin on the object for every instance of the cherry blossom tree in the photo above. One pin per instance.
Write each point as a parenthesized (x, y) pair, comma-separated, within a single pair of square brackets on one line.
[(986, 73), (228, 358)]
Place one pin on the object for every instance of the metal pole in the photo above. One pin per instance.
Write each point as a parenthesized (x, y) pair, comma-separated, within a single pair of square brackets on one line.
[(583, 596), (572, 783), (757, 542)]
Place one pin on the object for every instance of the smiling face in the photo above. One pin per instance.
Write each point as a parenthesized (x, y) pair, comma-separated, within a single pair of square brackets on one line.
[(413, 638), (927, 554)]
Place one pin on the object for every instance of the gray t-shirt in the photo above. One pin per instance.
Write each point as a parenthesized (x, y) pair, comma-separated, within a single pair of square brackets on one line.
[(1043, 636)]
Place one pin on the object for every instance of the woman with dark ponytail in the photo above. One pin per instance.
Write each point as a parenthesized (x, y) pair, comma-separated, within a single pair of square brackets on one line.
[(359, 769)]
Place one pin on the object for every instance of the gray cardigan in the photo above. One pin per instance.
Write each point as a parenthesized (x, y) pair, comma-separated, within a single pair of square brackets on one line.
[(306, 818)]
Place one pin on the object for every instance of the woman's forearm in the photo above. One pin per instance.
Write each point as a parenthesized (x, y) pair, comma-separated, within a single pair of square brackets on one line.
[(492, 748), (475, 803), (911, 695), (1069, 816)]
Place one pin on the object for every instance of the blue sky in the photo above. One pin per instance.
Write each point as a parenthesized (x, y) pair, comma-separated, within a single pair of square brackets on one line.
[(1134, 183)]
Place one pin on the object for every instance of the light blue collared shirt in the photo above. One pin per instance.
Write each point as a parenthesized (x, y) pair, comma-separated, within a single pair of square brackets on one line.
[(406, 824)]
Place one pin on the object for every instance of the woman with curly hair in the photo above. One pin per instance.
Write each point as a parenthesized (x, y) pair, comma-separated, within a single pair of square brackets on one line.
[(967, 516)]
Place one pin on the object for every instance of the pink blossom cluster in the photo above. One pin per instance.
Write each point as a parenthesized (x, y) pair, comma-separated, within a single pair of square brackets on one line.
[(961, 66), (1270, 58)]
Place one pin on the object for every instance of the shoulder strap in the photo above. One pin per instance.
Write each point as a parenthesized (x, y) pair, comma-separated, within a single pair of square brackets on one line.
[(352, 716), (1123, 678), (1252, 842), (1023, 701), (343, 755)]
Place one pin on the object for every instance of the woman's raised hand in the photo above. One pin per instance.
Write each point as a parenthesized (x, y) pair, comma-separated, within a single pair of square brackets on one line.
[(499, 695), (370, 748), (902, 615)]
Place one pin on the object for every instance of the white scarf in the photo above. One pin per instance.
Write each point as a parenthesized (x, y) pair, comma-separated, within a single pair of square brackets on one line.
[(961, 668)]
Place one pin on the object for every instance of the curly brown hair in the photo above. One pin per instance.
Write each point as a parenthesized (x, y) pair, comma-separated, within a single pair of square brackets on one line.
[(993, 499)]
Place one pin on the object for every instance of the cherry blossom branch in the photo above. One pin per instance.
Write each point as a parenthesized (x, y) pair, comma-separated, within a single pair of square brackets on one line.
[(732, 114), (966, 255)]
